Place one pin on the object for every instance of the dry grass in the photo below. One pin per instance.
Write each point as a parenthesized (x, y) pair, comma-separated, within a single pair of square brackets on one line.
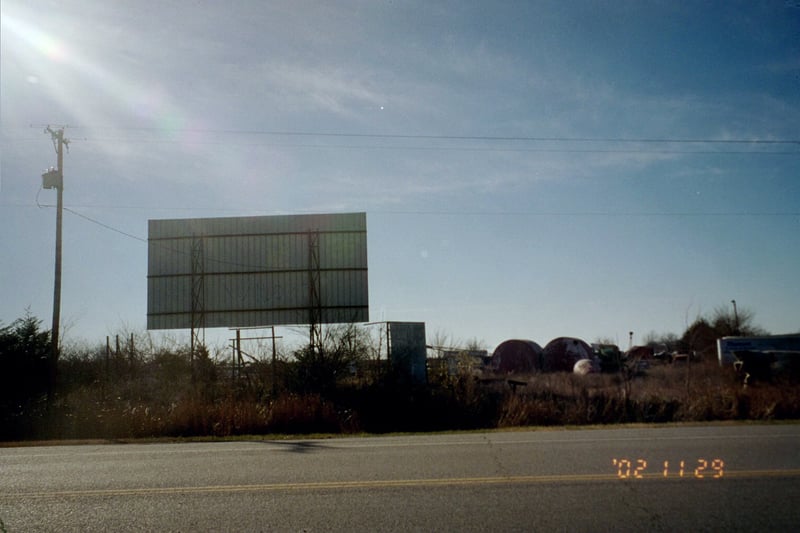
[(698, 391), (159, 398), (81, 417)]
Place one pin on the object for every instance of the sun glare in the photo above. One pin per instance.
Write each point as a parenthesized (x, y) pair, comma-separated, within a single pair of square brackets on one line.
[(45, 44), (81, 72)]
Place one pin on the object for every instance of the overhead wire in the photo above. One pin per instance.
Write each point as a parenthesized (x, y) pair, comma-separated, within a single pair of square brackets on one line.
[(614, 214), (152, 243), (447, 213), (412, 212), (429, 137), (455, 148), (423, 213), (107, 226), (581, 139), (757, 144)]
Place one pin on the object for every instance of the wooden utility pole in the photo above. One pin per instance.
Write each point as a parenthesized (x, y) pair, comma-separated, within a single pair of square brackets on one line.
[(54, 179)]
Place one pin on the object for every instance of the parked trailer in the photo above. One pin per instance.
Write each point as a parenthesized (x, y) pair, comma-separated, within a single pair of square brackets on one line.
[(762, 358), (726, 346)]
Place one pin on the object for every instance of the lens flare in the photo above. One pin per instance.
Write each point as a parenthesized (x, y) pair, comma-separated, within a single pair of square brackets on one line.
[(144, 100), (45, 44)]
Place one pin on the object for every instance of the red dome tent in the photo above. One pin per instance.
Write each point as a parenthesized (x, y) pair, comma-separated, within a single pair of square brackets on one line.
[(517, 356), (561, 354)]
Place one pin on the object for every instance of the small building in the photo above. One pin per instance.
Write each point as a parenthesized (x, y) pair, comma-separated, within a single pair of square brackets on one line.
[(407, 352), (641, 353)]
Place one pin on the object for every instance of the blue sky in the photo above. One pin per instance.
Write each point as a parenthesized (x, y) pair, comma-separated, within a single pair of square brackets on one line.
[(481, 139)]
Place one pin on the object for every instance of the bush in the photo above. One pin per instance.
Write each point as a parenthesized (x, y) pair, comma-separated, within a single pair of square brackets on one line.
[(162, 393), (24, 373)]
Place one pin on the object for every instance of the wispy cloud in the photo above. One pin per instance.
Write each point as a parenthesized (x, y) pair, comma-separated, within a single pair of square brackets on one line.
[(318, 88)]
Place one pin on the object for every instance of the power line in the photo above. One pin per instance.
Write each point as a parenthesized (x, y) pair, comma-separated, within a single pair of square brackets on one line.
[(612, 214), (93, 221), (157, 244), (428, 148), (448, 213), (757, 147), (434, 212), (452, 137), (453, 148)]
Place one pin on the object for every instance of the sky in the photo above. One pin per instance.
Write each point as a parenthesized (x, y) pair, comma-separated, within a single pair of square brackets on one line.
[(528, 169)]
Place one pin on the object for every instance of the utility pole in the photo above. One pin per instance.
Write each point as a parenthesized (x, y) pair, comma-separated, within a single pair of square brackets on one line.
[(735, 319), (54, 179)]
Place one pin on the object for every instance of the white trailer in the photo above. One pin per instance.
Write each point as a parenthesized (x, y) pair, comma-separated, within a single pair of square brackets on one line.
[(776, 347)]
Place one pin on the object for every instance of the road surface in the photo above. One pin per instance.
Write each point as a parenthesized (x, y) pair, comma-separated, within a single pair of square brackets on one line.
[(733, 478)]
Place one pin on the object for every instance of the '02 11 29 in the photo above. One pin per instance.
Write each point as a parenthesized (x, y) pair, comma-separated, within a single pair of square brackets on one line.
[(700, 469)]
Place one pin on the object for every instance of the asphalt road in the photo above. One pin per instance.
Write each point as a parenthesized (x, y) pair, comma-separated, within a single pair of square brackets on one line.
[(733, 478)]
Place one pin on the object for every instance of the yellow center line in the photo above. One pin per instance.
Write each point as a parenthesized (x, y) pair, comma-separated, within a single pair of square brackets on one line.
[(385, 483)]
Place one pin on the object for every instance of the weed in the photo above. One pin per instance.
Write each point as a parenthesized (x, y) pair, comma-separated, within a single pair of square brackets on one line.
[(157, 396)]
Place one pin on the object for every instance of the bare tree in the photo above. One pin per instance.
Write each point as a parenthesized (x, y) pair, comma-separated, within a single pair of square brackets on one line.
[(700, 337), (670, 340), (728, 321), (605, 340), (474, 345), (318, 369)]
